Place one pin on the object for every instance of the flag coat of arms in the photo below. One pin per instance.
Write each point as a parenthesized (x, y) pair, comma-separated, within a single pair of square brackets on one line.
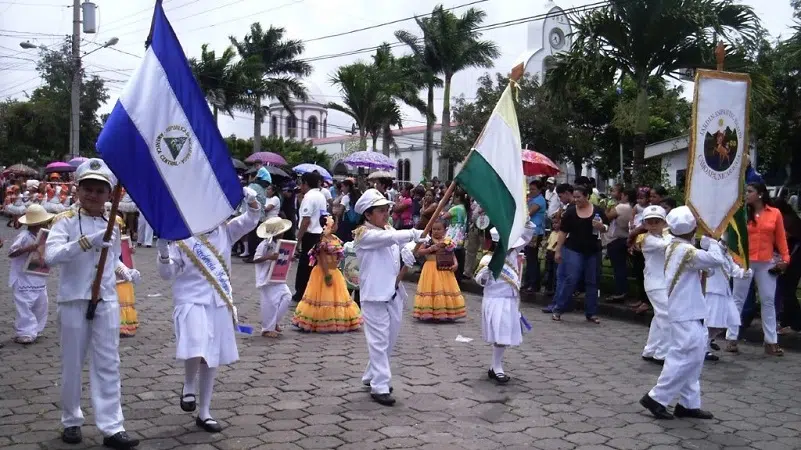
[(163, 144), (718, 148), (493, 175)]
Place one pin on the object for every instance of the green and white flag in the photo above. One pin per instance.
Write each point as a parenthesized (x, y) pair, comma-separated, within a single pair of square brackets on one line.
[(492, 174)]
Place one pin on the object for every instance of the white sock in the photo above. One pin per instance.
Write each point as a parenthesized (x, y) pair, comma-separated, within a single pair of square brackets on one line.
[(497, 359), (190, 375), (207, 375)]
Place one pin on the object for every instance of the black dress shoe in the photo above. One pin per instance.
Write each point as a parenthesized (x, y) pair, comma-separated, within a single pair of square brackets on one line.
[(714, 346), (188, 402), (71, 435), (648, 358), (680, 411), (500, 378), (120, 441), (658, 411), (367, 384), (658, 362), (209, 425), (711, 357), (383, 399)]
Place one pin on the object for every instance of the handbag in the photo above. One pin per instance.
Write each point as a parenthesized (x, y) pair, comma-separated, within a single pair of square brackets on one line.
[(444, 259)]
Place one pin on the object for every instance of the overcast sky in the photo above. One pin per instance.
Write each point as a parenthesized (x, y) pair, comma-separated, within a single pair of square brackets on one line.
[(212, 21)]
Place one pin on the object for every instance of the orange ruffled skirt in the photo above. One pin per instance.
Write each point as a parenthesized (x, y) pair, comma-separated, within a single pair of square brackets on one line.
[(327, 309), (129, 321), (438, 297)]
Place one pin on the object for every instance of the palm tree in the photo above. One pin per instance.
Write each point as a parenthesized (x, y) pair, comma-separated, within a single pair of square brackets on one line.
[(272, 70), (220, 79), (620, 39), (359, 86)]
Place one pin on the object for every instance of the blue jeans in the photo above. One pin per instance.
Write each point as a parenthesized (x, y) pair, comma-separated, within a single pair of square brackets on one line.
[(570, 271), (618, 256)]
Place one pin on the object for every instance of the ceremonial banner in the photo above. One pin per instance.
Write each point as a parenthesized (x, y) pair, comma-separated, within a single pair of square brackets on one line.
[(718, 148), (35, 264), (492, 174), (163, 144), (737, 238), (126, 255)]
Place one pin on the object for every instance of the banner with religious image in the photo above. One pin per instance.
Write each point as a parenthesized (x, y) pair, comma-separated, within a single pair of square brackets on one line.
[(718, 148)]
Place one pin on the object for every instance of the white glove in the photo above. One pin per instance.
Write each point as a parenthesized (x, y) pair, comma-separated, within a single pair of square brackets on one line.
[(163, 248), (417, 233), (133, 276), (96, 239), (250, 194), (407, 254), (748, 274), (705, 242)]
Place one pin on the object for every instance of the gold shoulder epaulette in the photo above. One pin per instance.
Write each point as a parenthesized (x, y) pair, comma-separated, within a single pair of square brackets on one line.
[(121, 223), (68, 214), (358, 232)]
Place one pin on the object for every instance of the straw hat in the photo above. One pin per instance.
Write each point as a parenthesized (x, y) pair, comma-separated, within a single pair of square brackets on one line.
[(35, 215), (272, 227)]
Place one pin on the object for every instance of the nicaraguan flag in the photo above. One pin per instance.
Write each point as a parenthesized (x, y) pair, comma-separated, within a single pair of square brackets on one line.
[(163, 144)]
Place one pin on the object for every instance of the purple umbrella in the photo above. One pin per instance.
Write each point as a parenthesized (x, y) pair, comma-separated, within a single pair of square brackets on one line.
[(306, 167), (369, 160), (273, 159), (77, 161), (59, 167)]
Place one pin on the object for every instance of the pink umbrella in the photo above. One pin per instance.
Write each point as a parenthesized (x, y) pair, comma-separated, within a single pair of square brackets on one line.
[(77, 161), (535, 164), (273, 159), (59, 167)]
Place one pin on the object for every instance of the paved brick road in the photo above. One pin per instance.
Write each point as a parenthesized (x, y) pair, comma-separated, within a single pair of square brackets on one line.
[(575, 385)]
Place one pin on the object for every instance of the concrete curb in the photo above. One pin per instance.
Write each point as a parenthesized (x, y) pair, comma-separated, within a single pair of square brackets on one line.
[(752, 335)]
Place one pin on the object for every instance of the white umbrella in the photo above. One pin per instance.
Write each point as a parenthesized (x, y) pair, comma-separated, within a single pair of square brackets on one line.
[(380, 174)]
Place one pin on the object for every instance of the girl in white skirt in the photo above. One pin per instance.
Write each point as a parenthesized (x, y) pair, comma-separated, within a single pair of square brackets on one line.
[(204, 315), (500, 307), (721, 310), (275, 296)]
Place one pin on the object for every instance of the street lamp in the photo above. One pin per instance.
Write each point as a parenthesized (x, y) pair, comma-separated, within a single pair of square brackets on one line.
[(75, 91)]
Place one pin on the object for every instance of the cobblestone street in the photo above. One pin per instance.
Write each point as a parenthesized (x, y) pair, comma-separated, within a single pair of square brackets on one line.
[(574, 385)]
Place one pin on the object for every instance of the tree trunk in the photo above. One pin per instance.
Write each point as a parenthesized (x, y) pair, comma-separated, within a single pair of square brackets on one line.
[(640, 128), (214, 110), (577, 166), (375, 142), (428, 155), (444, 163), (362, 140), (257, 126), (386, 139)]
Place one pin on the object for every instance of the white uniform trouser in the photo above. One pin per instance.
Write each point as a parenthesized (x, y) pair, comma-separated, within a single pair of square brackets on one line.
[(100, 338), (274, 305), (658, 341), (31, 311), (382, 323), (766, 288), (681, 374), (145, 232)]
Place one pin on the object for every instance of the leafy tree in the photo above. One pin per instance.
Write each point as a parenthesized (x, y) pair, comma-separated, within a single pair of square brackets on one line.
[(295, 152), (222, 79), (272, 70), (641, 39), (37, 131)]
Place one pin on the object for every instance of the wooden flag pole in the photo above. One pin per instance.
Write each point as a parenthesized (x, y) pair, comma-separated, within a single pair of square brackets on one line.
[(101, 264)]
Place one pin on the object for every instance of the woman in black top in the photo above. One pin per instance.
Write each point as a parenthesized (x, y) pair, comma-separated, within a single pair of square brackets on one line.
[(578, 251)]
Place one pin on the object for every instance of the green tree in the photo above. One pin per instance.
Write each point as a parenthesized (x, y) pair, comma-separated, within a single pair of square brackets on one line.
[(272, 70), (655, 38), (295, 152), (222, 79)]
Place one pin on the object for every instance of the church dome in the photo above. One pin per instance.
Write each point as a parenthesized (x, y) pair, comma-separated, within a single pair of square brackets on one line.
[(316, 97)]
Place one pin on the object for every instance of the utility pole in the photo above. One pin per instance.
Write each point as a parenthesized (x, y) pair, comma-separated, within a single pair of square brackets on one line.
[(75, 94)]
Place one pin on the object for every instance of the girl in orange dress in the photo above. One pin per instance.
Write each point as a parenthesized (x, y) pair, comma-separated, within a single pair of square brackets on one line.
[(326, 306), (438, 297)]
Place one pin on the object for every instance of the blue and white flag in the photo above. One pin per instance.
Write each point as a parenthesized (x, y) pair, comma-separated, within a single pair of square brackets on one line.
[(163, 144)]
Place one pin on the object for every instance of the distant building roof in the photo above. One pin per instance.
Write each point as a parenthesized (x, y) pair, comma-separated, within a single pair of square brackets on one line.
[(396, 132)]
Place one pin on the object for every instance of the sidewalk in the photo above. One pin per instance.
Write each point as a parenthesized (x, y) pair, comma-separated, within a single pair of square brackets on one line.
[(752, 335)]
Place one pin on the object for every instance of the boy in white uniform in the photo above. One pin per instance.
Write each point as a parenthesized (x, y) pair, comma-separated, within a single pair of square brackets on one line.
[(74, 243), (653, 245), (204, 315), (275, 296), (377, 247), (500, 306), (687, 310)]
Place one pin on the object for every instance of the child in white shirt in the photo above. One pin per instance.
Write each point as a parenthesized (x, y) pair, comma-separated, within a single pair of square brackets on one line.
[(275, 296), (29, 289)]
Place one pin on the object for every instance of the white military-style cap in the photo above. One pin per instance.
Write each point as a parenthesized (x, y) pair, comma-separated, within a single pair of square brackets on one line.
[(681, 221), (654, 212), (371, 198), (95, 169)]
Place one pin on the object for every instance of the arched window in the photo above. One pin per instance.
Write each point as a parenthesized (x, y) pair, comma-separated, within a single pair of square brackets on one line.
[(407, 169), (399, 170), (312, 127), (274, 126), (325, 127), (291, 127)]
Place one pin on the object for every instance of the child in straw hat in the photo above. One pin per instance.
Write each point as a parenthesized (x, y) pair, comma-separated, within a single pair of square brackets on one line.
[(275, 295), (29, 288)]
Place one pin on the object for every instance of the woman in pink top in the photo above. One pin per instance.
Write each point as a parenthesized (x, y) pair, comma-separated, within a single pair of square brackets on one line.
[(402, 210), (766, 238)]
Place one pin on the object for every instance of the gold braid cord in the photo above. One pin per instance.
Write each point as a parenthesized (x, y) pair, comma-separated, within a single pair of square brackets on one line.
[(686, 259)]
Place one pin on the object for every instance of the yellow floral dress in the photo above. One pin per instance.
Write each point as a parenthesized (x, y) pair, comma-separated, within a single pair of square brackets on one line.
[(326, 306), (438, 297)]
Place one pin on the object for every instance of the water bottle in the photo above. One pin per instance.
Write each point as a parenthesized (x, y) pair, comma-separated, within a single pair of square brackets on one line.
[(597, 218)]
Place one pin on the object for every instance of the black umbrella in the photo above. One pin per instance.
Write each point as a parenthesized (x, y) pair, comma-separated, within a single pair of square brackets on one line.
[(239, 165), (274, 171)]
